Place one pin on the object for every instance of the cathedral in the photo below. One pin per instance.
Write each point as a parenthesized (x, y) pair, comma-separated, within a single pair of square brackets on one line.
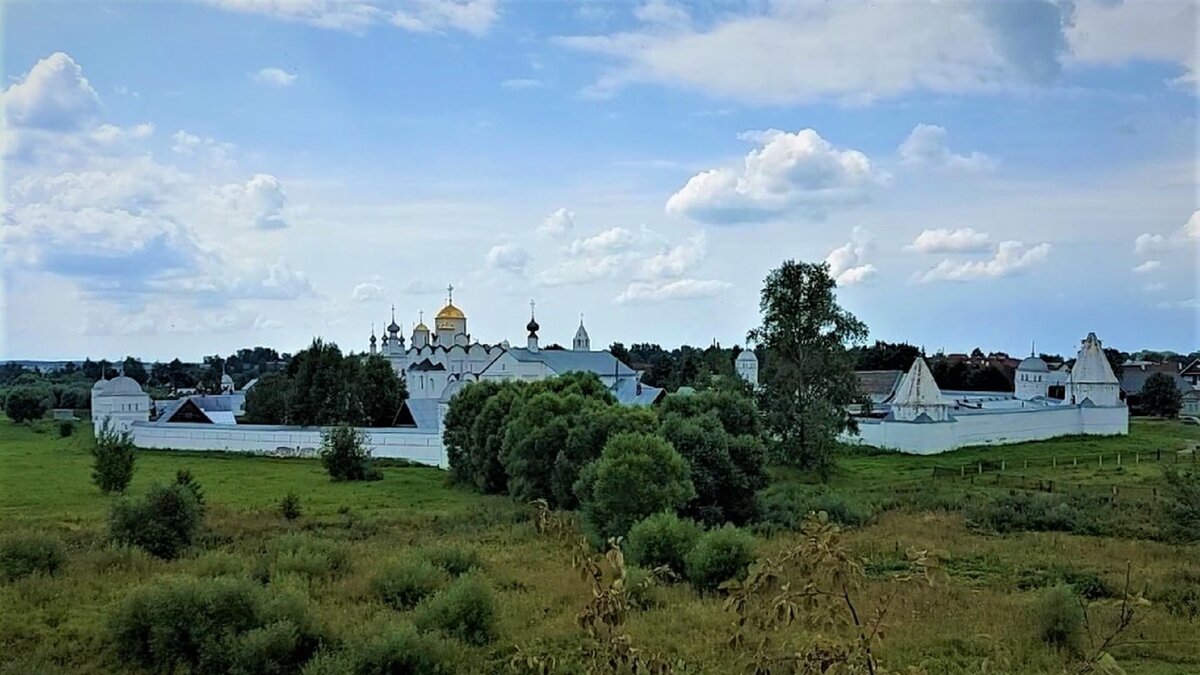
[(436, 364)]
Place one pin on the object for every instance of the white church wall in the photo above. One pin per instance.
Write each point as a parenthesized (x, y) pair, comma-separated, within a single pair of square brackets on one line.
[(416, 446)]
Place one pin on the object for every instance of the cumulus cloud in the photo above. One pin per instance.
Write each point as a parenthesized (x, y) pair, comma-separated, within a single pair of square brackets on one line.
[(507, 258), (619, 252), (926, 146), (274, 77), (1012, 257), (847, 264), (558, 222), (680, 289), (471, 16), (1150, 243), (962, 240), (856, 51), (611, 241), (1191, 229), (259, 201), (789, 173), (54, 94), (677, 260), (1148, 267), (1108, 33), (367, 292)]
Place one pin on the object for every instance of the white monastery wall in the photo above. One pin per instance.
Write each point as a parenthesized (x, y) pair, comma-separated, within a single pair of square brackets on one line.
[(410, 444)]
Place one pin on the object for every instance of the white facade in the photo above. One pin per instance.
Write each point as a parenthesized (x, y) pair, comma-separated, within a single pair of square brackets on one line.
[(120, 401), (746, 366), (922, 419)]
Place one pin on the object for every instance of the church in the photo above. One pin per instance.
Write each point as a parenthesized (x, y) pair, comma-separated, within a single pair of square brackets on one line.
[(436, 363)]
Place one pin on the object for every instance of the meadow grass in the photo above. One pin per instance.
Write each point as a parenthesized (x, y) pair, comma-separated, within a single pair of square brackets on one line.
[(351, 533)]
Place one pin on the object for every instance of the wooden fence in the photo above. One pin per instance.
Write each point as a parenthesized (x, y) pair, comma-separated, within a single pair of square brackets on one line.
[(1098, 460)]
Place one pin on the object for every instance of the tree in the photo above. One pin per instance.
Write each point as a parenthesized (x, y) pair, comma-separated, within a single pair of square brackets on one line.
[(532, 441), (619, 352), (113, 459), (27, 403), (885, 356), (461, 416), (379, 390), (164, 522), (1160, 396), (636, 476), (134, 369), (987, 379), (586, 439), (317, 385), (267, 401), (725, 489), (809, 383), (345, 455)]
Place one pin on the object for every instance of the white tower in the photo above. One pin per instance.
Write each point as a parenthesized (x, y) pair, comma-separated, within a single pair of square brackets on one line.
[(581, 343), (532, 327), (1033, 378), (746, 366), (1092, 377), (420, 335), (919, 395)]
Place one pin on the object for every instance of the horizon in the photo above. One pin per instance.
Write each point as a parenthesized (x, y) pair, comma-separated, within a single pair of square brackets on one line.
[(1018, 173)]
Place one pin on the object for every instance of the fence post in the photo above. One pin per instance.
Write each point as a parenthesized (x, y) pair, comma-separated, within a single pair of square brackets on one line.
[(1026, 464), (962, 470), (1118, 459), (981, 468), (1101, 461), (1054, 462), (1002, 465), (1137, 458), (1158, 455), (1074, 461)]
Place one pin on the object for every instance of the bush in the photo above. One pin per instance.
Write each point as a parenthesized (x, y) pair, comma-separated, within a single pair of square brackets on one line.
[(785, 506), (345, 455), (302, 555), (400, 651), (184, 478), (454, 560), (1039, 512), (66, 428), (112, 468), (1088, 585), (720, 555), (662, 540), (289, 507), (1182, 505), (1180, 595), (212, 626), (33, 553), (1059, 619), (636, 476), (402, 585), (727, 470), (465, 611), (642, 588), (27, 403), (164, 522)]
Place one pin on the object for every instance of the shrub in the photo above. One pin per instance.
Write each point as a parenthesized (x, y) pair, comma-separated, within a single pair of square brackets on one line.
[(456, 561), (642, 588), (1180, 595), (184, 478), (636, 476), (27, 403), (212, 626), (400, 651), (1021, 511), (720, 555), (465, 611), (785, 505), (727, 470), (289, 506), (1183, 505), (302, 555), (164, 522), (345, 455), (32, 553), (1059, 619), (66, 428), (1086, 584), (112, 468), (404, 584), (662, 540)]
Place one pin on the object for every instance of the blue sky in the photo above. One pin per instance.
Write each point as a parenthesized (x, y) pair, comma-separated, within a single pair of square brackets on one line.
[(190, 178)]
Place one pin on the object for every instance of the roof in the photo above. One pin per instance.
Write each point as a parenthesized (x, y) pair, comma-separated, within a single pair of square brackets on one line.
[(1091, 366), (1034, 364), (1133, 378), (1192, 368), (451, 312), (878, 384), (563, 361), (121, 386), (747, 355), (628, 391), (918, 387), (421, 413), (426, 365)]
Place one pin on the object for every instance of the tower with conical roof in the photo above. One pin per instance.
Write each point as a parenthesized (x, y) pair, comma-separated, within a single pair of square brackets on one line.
[(1092, 378), (582, 342), (918, 397)]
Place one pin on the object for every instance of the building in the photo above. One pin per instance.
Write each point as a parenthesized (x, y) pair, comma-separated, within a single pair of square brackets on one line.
[(746, 366), (119, 401), (920, 417)]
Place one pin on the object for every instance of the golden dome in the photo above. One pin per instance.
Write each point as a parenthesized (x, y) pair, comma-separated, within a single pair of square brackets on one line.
[(451, 312), (421, 328)]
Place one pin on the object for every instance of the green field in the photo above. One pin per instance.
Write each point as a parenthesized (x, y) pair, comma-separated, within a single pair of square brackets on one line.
[(980, 613)]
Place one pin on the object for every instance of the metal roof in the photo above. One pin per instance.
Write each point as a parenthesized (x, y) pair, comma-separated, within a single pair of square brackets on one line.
[(563, 361)]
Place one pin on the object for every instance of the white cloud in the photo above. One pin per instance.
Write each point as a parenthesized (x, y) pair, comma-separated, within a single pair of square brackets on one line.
[(367, 291), (1108, 33), (1148, 267), (680, 289), (522, 83), (1012, 257), (274, 77), (926, 145), (799, 173), (847, 264), (610, 241), (962, 240), (1191, 229), (260, 201), (1150, 243), (421, 287), (1154, 287), (507, 258), (801, 50), (676, 260), (558, 222), (471, 16), (587, 259), (54, 95), (663, 13)]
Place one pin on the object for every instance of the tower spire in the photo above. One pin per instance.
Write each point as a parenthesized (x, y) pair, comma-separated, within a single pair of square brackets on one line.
[(449, 294)]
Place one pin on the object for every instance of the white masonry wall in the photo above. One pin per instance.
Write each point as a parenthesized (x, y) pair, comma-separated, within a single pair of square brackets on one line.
[(994, 428), (411, 444)]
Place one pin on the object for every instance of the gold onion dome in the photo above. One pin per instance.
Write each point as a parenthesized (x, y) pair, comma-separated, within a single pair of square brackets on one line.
[(421, 328), (451, 312)]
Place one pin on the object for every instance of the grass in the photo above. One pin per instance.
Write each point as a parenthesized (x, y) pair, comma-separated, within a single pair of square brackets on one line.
[(982, 610)]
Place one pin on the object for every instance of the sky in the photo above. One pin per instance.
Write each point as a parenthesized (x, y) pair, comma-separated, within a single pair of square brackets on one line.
[(189, 178)]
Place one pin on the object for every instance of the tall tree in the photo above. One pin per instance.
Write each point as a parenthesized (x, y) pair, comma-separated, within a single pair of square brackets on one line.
[(134, 369), (1160, 396), (809, 382), (380, 391)]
